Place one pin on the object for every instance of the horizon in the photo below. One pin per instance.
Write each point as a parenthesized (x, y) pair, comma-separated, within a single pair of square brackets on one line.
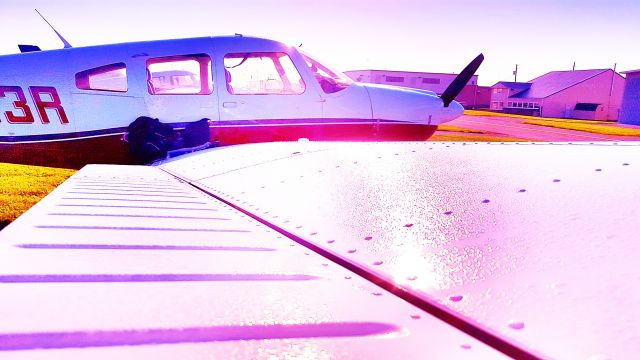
[(540, 36)]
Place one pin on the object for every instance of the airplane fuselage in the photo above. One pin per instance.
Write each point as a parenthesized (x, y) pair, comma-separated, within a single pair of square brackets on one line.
[(71, 107)]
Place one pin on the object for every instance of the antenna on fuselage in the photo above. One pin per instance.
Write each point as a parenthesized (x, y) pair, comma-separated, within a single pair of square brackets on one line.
[(64, 41)]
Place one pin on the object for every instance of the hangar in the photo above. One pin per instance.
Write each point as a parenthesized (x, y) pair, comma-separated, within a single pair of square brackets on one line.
[(630, 110), (578, 94), (472, 96)]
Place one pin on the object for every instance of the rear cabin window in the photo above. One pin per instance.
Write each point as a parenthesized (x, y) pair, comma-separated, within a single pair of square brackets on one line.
[(262, 73), (179, 75), (112, 77)]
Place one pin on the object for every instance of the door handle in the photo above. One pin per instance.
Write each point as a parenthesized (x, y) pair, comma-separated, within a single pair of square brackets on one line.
[(229, 104)]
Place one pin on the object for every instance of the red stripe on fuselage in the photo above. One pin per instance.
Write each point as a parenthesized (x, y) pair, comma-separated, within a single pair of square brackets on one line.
[(110, 149), (72, 154), (231, 135)]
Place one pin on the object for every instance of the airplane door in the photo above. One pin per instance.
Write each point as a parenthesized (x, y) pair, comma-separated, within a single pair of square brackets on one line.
[(352, 102), (345, 104), (263, 97), (179, 89)]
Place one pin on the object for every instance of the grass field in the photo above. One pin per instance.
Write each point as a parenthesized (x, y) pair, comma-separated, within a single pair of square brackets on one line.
[(23, 186), (459, 129), (499, 114), (591, 126), (585, 125), (473, 138)]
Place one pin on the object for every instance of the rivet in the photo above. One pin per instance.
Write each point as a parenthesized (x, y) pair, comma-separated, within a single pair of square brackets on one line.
[(368, 238), (448, 212), (522, 190), (408, 225), (486, 201)]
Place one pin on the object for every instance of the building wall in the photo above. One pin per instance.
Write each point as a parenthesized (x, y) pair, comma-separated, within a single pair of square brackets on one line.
[(630, 109), (475, 97), (523, 106), (499, 95), (595, 90), (360, 75), (435, 82)]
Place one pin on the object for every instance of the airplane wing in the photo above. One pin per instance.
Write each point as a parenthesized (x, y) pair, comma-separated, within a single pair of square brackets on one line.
[(333, 250)]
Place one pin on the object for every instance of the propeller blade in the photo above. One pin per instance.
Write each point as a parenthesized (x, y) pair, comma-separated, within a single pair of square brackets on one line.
[(461, 80)]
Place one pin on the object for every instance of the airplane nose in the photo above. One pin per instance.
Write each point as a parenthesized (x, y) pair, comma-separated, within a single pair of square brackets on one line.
[(452, 112)]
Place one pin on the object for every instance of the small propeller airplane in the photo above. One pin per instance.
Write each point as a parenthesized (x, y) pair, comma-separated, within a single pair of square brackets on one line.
[(70, 107)]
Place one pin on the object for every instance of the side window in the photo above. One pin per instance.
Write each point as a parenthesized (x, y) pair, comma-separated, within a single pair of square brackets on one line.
[(112, 77), (265, 73), (184, 74)]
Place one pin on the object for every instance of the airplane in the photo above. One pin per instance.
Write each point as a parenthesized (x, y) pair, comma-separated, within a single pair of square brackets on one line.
[(70, 107), (309, 249)]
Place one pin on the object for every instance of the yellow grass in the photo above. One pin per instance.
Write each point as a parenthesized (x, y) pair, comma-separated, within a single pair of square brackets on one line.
[(473, 138), (498, 114), (23, 186), (459, 129), (587, 126)]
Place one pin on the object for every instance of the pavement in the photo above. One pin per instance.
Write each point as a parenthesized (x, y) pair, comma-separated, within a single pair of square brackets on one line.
[(513, 127)]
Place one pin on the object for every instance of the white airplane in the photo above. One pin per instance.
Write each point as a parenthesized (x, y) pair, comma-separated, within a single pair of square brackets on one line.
[(71, 106), (304, 249)]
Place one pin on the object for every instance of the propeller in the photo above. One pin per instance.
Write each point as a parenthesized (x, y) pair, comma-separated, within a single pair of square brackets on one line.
[(461, 80)]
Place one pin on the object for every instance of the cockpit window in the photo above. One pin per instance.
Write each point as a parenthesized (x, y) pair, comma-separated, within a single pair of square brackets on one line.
[(176, 75), (112, 77), (330, 80), (262, 73)]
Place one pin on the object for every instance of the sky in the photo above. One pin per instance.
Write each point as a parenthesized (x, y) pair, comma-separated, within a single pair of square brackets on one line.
[(404, 35)]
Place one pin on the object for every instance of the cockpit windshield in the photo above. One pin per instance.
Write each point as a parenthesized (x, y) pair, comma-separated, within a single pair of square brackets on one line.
[(330, 80)]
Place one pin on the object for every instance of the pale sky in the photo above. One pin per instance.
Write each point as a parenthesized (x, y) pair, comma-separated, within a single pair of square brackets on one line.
[(404, 35)]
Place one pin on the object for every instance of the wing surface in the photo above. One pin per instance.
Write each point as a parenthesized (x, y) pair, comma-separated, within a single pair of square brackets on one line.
[(534, 243), (131, 262)]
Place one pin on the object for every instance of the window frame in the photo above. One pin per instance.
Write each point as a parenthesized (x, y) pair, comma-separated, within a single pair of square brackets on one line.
[(205, 66), (84, 76), (275, 57)]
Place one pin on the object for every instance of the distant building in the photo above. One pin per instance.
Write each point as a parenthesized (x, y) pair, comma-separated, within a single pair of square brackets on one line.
[(577, 94), (472, 96), (630, 110)]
